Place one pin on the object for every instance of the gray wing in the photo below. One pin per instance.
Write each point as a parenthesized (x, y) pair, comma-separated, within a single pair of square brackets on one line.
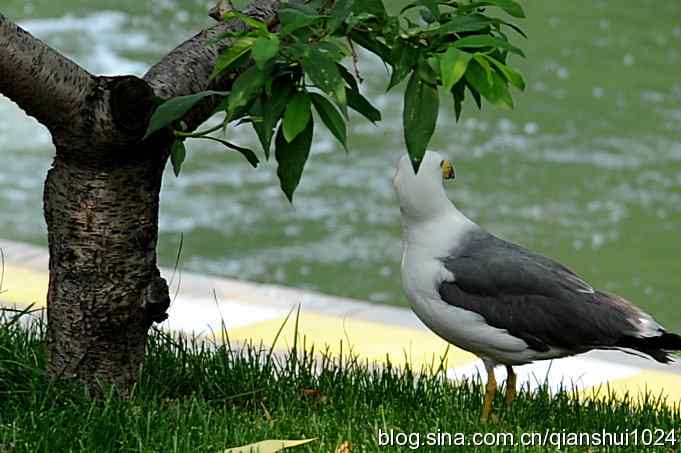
[(533, 297)]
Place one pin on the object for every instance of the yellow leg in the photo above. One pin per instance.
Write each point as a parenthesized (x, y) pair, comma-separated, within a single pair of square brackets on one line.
[(490, 390), (510, 385)]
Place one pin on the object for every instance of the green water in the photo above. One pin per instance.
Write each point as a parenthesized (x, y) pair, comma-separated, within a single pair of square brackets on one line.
[(587, 169)]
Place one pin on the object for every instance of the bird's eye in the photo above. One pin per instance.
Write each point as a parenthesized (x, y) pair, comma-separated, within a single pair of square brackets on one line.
[(442, 163)]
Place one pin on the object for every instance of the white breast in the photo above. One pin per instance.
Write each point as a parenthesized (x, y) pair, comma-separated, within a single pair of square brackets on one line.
[(423, 271)]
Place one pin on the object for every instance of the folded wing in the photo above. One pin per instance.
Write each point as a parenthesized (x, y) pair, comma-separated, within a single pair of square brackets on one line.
[(537, 299)]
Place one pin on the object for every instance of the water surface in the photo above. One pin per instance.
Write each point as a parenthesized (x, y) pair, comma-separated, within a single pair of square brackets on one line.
[(586, 169)]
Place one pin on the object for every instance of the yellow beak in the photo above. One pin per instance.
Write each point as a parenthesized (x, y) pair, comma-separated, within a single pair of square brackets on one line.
[(448, 170)]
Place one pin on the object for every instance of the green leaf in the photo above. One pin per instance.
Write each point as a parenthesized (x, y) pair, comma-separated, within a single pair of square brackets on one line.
[(361, 105), (227, 34), (374, 7), (369, 42), (453, 64), (479, 79), (264, 50), (470, 22), (247, 153), (501, 95), (482, 61), (334, 49), (244, 88), (258, 122), (236, 50), (476, 96), (297, 116), (458, 93), (403, 59), (494, 88), (514, 77), (354, 19), (331, 118), (514, 27), (270, 109), (431, 5), (511, 7), (307, 7), (294, 19), (324, 73), (292, 157), (339, 13), (427, 73), (421, 104), (428, 17), (348, 77), (251, 22), (487, 41), (177, 156), (175, 108)]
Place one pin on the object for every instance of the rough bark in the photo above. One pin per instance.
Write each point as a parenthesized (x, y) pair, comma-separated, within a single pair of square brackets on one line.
[(105, 289), (44, 83), (101, 202), (101, 196)]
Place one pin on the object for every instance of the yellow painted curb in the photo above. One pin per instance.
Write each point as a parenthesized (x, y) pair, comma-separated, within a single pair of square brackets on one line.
[(368, 340), (654, 384), (22, 286)]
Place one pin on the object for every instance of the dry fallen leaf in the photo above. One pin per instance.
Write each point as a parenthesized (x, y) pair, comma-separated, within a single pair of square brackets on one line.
[(345, 447), (315, 395), (268, 416), (269, 446)]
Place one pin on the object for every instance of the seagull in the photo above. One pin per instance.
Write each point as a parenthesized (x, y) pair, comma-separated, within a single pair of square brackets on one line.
[(498, 300)]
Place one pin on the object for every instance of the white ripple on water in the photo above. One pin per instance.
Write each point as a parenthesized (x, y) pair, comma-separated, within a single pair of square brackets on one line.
[(605, 152), (95, 41), (654, 97), (343, 246), (20, 132)]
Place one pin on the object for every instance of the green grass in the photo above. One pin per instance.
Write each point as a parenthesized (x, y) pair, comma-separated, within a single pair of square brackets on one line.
[(193, 396)]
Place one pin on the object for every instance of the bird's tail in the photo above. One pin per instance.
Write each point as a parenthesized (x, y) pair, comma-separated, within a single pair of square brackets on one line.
[(657, 347)]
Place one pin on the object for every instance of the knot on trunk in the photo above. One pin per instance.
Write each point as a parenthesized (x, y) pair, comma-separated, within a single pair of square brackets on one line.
[(132, 103), (156, 301)]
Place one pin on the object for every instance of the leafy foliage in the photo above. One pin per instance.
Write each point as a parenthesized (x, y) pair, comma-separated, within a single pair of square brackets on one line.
[(296, 62)]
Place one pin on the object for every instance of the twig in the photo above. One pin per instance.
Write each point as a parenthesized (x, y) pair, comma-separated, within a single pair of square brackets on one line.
[(355, 61)]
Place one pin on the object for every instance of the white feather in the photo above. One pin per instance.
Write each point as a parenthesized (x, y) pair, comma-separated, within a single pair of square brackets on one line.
[(648, 327)]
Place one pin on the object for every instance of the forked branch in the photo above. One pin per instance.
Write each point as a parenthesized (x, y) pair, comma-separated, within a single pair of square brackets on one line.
[(44, 83)]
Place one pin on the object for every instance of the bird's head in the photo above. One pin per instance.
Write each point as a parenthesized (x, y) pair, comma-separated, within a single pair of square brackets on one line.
[(422, 194)]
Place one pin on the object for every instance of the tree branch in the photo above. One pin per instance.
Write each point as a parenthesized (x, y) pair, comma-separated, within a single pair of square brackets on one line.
[(111, 111), (44, 83), (187, 68)]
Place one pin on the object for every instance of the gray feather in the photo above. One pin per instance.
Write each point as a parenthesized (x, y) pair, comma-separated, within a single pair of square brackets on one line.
[(533, 297)]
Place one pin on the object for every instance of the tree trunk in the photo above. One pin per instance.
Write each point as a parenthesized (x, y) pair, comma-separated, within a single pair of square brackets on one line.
[(101, 202), (101, 196), (105, 289)]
